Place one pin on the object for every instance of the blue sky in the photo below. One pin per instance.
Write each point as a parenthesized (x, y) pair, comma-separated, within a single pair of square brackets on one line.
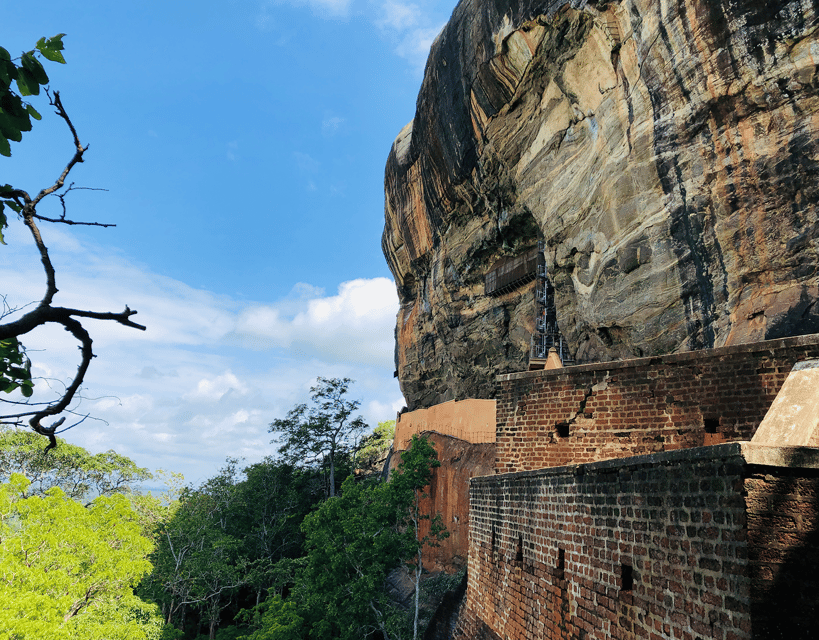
[(242, 144)]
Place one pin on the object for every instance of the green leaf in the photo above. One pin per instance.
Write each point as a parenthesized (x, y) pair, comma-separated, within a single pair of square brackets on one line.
[(11, 108), (54, 56), (8, 129), (33, 66), (19, 120), (3, 223), (33, 112), (11, 104), (5, 149), (4, 55), (50, 49), (26, 389), (7, 73), (56, 42), (26, 83)]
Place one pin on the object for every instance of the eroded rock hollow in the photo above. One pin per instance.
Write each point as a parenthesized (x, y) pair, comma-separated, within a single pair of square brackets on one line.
[(665, 152)]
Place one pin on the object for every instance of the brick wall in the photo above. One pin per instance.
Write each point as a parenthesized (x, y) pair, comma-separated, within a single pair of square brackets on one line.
[(659, 546), (609, 410)]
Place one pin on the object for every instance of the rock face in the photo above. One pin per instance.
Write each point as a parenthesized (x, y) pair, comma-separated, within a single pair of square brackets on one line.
[(665, 152)]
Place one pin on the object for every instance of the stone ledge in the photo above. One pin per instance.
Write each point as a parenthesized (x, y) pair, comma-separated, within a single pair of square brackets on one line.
[(771, 456), (740, 452), (671, 358)]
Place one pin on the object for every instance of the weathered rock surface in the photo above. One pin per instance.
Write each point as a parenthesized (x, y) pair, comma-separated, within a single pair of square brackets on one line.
[(665, 151)]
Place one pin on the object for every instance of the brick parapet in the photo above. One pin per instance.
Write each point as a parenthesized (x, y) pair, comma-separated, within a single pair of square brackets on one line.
[(586, 413), (684, 544)]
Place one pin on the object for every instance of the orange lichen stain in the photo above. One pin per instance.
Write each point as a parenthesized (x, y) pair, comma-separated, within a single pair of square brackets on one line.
[(413, 214), (407, 319)]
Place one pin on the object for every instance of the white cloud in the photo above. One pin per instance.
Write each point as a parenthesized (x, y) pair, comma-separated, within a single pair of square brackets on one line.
[(308, 167), (355, 325), (334, 8), (410, 27), (210, 373), (414, 45), (213, 389), (387, 409), (398, 16), (331, 125)]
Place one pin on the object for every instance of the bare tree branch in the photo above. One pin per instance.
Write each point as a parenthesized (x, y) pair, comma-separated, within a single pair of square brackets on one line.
[(63, 219), (78, 154), (44, 313)]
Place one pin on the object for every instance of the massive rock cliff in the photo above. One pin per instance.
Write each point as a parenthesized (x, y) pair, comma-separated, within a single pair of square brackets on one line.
[(665, 151)]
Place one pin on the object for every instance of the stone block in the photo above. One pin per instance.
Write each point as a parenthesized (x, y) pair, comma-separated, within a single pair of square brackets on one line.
[(793, 418)]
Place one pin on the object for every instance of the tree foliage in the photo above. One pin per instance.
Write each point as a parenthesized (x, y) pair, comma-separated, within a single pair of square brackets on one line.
[(28, 75), (279, 620), (414, 473), (197, 562), (265, 550), (67, 571), (375, 447), (231, 542), (15, 367), (272, 502), (324, 430), (353, 541), (79, 474), (153, 511)]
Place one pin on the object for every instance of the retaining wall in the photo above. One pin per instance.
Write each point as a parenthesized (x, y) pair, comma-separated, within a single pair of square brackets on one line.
[(470, 420), (713, 542)]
